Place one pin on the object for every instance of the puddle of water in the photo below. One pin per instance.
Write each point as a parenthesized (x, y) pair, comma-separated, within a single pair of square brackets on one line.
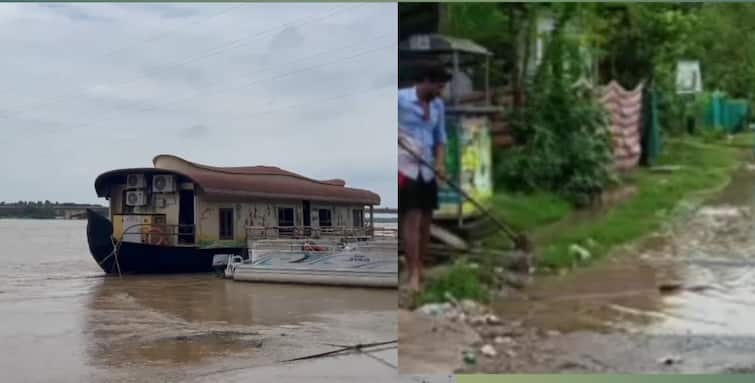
[(707, 262)]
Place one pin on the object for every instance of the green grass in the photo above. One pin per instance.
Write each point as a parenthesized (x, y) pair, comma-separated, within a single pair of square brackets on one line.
[(706, 164), (525, 212), (518, 209), (705, 168), (459, 280)]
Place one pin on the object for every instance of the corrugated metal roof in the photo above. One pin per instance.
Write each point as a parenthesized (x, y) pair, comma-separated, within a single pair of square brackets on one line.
[(441, 44)]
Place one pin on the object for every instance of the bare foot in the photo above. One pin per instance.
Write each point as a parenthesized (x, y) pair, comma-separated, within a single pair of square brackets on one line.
[(414, 284), (407, 298)]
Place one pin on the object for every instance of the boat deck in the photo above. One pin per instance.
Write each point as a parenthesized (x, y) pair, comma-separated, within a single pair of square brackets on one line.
[(343, 262)]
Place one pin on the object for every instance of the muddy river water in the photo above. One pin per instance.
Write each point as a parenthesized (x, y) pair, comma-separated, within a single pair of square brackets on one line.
[(682, 300), (61, 320)]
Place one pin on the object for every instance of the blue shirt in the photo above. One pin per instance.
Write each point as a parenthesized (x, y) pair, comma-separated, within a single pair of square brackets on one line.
[(423, 134)]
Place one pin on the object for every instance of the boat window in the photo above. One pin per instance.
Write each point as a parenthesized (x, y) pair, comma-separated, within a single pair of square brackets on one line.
[(285, 216), (358, 215), (326, 218), (226, 223)]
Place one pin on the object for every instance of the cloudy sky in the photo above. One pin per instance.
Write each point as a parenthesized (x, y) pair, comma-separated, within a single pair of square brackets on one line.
[(89, 88)]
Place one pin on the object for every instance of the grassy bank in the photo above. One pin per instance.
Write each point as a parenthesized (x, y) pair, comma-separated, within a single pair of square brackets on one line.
[(697, 167), (703, 169)]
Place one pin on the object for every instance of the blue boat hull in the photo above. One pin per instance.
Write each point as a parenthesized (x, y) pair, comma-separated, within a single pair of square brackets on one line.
[(140, 258)]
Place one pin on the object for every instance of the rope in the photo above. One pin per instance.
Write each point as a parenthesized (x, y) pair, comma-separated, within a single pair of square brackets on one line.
[(356, 347), (116, 246)]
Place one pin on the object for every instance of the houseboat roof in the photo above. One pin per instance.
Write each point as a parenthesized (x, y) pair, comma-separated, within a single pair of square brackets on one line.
[(223, 183)]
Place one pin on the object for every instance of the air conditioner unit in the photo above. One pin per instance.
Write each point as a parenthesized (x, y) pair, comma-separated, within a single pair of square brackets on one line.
[(163, 183), (135, 181), (136, 198)]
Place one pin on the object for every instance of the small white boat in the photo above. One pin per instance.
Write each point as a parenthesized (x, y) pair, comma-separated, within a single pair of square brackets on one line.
[(371, 263)]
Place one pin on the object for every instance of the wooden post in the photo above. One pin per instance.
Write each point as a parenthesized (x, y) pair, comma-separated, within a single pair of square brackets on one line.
[(460, 206), (487, 81), (372, 222)]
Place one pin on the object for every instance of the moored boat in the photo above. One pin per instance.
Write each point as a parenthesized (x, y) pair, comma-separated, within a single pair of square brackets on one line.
[(371, 263), (177, 216)]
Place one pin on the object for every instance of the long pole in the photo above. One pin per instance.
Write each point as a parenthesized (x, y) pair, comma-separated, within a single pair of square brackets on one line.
[(520, 240)]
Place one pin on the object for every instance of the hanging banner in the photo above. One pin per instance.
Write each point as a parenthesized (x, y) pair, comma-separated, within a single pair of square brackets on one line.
[(469, 162)]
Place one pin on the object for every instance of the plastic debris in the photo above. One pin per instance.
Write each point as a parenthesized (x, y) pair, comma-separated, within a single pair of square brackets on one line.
[(435, 309), (488, 351)]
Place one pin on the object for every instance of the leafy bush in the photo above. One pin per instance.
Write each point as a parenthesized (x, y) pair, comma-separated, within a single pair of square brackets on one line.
[(460, 281), (566, 144)]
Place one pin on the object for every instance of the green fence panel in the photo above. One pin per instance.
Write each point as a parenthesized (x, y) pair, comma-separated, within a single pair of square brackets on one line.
[(651, 130), (726, 114)]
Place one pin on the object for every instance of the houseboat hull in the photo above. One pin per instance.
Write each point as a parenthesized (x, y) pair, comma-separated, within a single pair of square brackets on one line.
[(139, 258)]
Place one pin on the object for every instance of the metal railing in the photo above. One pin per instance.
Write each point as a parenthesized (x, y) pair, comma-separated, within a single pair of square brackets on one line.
[(302, 232), (171, 234), (384, 248), (160, 234)]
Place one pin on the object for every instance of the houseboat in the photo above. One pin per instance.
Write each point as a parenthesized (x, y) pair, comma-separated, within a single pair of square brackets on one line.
[(178, 215)]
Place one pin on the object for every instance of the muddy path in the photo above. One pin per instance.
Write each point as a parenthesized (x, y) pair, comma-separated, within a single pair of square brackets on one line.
[(680, 300)]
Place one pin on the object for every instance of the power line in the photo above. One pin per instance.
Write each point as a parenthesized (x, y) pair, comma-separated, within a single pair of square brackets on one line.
[(284, 74), (362, 53), (287, 74), (153, 37), (211, 52), (300, 59), (320, 101), (162, 34)]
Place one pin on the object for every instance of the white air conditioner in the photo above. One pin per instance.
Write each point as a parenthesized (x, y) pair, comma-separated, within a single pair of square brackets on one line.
[(163, 183), (135, 181), (136, 198)]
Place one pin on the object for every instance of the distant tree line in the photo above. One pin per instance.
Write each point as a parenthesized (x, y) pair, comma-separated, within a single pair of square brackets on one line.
[(36, 209)]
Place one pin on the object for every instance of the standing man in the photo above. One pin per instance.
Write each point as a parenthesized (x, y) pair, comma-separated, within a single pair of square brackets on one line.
[(422, 129)]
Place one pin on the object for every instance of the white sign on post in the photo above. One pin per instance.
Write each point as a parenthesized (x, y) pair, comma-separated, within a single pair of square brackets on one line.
[(688, 77)]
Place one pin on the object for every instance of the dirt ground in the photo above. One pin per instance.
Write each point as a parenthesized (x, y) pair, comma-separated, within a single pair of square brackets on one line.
[(680, 301)]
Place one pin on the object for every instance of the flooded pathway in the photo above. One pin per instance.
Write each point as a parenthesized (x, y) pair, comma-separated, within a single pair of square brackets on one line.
[(681, 300)]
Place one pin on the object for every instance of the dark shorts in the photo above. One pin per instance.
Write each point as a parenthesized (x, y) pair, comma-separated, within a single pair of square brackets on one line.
[(418, 194)]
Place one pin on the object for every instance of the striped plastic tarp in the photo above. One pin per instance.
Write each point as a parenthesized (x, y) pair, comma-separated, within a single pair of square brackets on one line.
[(624, 108)]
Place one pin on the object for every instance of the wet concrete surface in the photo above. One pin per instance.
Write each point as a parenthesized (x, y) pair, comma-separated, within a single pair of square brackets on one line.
[(63, 321), (681, 300), (431, 345)]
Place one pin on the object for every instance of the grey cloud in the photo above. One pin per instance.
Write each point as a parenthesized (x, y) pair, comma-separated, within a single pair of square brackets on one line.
[(230, 109), (76, 12), (191, 77), (193, 132), (285, 41), (176, 11)]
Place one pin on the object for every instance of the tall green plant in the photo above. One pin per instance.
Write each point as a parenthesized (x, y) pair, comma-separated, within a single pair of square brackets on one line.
[(565, 141)]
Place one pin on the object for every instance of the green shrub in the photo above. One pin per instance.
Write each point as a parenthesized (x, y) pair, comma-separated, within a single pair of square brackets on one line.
[(460, 281)]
